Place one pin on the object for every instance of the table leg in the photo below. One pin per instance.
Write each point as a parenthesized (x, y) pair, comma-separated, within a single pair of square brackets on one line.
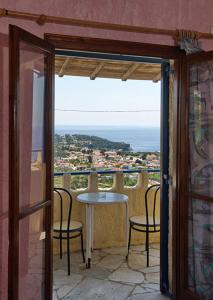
[(88, 235), (127, 229)]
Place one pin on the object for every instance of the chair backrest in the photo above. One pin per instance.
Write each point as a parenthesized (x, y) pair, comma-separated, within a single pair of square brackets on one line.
[(150, 205), (64, 195)]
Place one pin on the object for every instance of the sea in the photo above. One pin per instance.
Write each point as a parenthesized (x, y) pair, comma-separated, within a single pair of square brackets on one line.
[(141, 139)]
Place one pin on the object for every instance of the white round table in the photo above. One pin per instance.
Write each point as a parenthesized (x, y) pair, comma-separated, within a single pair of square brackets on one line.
[(91, 199)]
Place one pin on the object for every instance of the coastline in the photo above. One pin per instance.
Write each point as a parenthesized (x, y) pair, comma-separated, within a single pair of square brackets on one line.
[(141, 139)]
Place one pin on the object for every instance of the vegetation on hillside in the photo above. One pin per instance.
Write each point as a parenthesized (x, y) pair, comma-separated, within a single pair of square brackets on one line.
[(63, 143)]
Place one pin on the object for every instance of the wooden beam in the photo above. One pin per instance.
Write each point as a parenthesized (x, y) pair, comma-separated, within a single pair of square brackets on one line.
[(97, 69), (157, 77), (131, 69), (63, 67), (113, 46)]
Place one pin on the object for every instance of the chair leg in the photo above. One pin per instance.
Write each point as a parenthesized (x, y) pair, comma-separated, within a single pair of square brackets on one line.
[(147, 253), (82, 247), (60, 241), (68, 253), (146, 240), (129, 242)]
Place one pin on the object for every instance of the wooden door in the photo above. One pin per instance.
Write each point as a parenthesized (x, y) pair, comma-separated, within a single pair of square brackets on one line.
[(195, 259), (30, 186)]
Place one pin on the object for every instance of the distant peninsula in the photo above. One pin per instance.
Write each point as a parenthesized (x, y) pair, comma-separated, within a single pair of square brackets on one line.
[(91, 142), (95, 142)]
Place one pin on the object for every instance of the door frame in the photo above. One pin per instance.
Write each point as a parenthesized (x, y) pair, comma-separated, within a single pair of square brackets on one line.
[(150, 50), (18, 35)]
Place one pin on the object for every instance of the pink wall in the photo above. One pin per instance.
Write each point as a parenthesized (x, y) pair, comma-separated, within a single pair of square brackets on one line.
[(187, 14), (169, 14)]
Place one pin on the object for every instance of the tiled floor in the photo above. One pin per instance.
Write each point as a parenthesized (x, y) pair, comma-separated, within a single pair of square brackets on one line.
[(110, 277)]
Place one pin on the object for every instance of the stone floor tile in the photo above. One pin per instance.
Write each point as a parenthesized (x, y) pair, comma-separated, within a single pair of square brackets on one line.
[(139, 290), (63, 291), (61, 278), (153, 277), (151, 269), (57, 274), (55, 296), (59, 263), (151, 296), (127, 276), (138, 261), (137, 248), (124, 265), (95, 272), (154, 252), (96, 289), (118, 251), (111, 262), (100, 252), (76, 257), (155, 246), (55, 287), (151, 286), (96, 258)]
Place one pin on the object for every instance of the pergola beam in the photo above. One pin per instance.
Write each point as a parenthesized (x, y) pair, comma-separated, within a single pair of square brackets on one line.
[(131, 69), (63, 67), (94, 74), (157, 77)]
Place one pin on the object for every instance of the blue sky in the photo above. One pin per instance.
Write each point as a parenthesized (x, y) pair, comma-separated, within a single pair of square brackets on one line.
[(81, 93)]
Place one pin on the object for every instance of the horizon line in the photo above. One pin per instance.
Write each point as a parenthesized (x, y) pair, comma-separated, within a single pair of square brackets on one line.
[(101, 125)]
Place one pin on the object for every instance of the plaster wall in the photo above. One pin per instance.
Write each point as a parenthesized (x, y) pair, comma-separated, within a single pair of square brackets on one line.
[(191, 14)]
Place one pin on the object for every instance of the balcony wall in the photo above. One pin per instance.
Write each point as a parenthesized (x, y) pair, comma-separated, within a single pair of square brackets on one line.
[(108, 219)]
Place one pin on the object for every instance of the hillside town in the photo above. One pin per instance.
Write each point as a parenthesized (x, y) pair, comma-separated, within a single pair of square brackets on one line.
[(79, 154)]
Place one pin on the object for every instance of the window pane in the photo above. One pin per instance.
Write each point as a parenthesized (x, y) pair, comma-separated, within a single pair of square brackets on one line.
[(32, 143)]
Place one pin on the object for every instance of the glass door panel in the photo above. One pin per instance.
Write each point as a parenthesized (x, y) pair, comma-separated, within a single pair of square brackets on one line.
[(32, 156), (196, 178), (31, 131), (201, 128), (32, 256), (200, 208)]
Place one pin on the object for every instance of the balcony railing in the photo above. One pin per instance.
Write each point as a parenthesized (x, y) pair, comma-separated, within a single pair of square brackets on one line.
[(59, 176)]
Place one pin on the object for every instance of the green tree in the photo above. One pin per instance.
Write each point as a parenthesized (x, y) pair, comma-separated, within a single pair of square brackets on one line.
[(68, 139)]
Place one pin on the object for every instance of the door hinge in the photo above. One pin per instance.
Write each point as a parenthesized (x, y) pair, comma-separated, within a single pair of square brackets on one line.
[(167, 179)]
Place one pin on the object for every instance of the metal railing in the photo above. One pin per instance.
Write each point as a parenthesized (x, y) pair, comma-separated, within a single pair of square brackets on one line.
[(107, 172)]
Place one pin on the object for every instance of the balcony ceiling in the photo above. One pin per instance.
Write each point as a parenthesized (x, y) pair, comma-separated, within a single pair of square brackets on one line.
[(94, 68)]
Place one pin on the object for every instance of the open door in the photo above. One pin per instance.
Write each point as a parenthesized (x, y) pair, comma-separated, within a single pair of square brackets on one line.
[(195, 276), (31, 184)]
